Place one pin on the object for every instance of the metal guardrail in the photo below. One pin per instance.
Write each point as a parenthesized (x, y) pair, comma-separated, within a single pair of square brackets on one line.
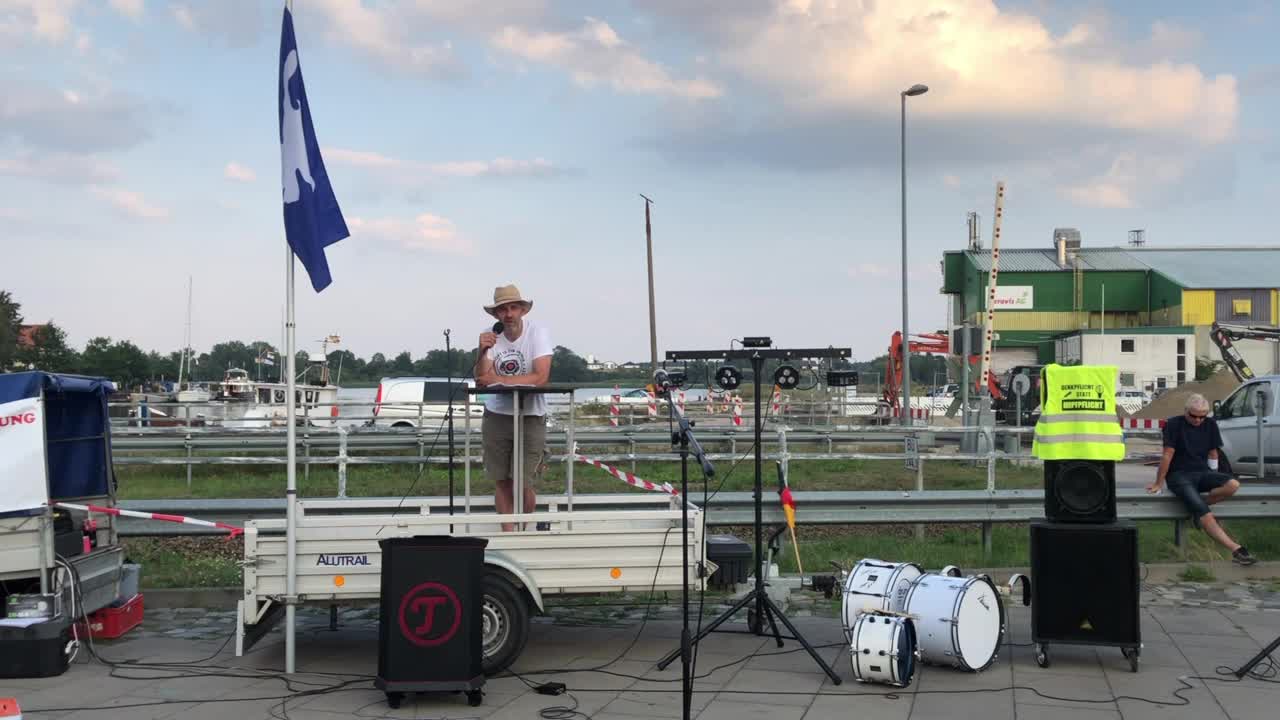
[(737, 508)]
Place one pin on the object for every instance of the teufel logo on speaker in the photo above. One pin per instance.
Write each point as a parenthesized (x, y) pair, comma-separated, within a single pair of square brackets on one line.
[(430, 614)]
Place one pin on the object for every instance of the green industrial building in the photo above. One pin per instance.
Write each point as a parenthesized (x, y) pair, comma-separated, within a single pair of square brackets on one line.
[(1122, 294)]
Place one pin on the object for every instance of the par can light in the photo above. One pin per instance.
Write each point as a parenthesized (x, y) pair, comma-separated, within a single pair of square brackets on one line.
[(786, 377), (728, 377)]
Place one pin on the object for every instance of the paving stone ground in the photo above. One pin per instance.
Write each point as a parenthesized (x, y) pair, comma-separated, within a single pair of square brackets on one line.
[(1190, 631)]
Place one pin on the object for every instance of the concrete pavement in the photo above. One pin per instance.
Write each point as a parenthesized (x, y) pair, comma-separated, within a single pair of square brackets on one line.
[(741, 676)]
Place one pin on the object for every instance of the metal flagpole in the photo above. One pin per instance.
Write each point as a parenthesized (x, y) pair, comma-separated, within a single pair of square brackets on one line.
[(291, 473)]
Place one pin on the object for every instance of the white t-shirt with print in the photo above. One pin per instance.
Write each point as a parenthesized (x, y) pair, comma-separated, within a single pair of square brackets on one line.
[(516, 358)]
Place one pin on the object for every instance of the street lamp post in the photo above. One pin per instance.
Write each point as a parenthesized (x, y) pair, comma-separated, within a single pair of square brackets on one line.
[(912, 91)]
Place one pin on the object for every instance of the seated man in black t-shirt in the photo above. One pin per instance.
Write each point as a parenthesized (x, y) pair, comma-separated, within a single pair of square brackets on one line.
[(1190, 466)]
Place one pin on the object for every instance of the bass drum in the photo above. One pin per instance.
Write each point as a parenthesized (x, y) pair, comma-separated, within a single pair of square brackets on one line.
[(876, 585), (959, 621), (882, 649)]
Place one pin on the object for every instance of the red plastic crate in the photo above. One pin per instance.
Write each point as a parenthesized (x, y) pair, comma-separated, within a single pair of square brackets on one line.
[(112, 622)]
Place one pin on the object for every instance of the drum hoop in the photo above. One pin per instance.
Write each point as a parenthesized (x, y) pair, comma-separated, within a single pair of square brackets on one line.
[(857, 663), (955, 623)]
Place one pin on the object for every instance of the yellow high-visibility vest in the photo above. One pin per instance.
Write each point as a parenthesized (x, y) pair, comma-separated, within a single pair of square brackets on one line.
[(1078, 414)]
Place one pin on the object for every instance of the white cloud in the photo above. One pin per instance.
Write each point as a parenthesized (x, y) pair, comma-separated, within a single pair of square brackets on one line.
[(1131, 177), (382, 35), (59, 168), (239, 173), (130, 203), (233, 23), (1170, 39), (595, 55), (979, 61), (182, 14), (426, 232), (46, 20), (131, 8), (410, 169), (866, 270), (72, 120)]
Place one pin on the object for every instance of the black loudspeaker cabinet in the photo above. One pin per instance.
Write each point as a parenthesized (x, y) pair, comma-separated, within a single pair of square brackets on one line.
[(1080, 491), (430, 626), (1085, 586)]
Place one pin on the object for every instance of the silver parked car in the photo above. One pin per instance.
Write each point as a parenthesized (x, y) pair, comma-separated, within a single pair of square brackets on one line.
[(1238, 418)]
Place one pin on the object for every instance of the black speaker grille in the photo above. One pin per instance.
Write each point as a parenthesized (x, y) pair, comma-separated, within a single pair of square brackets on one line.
[(1084, 582), (1080, 490)]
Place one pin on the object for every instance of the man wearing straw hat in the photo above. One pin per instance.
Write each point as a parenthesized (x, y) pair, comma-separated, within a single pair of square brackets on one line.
[(520, 355)]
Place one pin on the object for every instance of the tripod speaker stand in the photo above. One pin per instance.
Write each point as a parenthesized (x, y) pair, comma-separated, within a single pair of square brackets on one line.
[(761, 607)]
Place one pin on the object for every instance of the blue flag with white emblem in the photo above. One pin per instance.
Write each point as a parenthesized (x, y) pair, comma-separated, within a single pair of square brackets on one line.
[(312, 218)]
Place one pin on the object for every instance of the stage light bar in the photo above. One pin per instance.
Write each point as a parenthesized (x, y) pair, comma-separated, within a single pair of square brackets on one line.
[(757, 341)]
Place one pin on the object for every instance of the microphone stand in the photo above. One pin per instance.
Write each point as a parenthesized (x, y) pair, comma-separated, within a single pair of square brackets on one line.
[(686, 442)]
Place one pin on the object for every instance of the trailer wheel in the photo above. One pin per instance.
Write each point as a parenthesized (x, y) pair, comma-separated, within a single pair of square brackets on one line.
[(505, 617)]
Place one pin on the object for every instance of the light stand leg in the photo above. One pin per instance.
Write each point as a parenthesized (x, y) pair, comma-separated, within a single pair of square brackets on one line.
[(686, 679), (1244, 669)]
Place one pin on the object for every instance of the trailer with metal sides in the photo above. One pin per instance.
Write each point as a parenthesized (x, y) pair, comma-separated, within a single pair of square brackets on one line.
[(605, 544)]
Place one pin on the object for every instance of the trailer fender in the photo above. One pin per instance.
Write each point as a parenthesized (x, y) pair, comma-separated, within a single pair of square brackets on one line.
[(517, 572)]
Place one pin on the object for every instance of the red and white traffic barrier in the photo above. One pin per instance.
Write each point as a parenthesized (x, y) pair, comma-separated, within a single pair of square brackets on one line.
[(653, 404), (615, 408), (1142, 424), (627, 477), (711, 404), (154, 516), (777, 401), (737, 411), (680, 401), (916, 413)]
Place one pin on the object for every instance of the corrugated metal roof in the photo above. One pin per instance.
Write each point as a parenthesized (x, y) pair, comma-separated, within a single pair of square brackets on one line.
[(1046, 260), (1207, 268)]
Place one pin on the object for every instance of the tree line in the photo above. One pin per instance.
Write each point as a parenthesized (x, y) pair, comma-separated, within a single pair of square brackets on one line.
[(130, 366)]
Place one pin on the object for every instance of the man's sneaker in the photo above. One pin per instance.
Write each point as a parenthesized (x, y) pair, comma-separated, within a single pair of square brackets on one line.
[(1241, 556)]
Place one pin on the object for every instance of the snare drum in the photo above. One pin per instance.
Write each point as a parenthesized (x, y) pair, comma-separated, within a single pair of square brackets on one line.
[(876, 585), (959, 621), (882, 649)]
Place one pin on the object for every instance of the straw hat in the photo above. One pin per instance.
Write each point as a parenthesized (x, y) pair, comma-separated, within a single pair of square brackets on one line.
[(507, 294)]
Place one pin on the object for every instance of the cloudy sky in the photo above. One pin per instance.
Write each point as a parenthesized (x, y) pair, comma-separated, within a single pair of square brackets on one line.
[(474, 144)]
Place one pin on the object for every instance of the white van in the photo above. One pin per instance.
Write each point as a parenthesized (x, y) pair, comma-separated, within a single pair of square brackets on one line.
[(402, 401), (1237, 418)]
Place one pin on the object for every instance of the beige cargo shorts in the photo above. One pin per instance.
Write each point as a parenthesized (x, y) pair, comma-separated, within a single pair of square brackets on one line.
[(499, 432)]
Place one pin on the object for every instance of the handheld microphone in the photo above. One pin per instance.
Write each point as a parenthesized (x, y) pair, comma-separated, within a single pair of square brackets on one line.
[(497, 328)]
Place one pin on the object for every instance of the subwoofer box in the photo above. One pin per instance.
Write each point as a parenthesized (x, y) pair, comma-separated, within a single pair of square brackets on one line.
[(1085, 583)]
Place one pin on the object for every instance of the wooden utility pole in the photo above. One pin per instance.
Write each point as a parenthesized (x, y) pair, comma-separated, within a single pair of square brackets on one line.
[(653, 320)]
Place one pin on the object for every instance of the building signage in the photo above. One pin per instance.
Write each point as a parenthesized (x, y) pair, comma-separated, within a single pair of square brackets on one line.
[(1014, 297)]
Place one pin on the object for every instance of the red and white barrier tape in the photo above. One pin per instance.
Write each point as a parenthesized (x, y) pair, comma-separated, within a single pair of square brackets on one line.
[(653, 404), (737, 411), (777, 401), (627, 477), (615, 409), (680, 401), (1142, 423), (153, 516)]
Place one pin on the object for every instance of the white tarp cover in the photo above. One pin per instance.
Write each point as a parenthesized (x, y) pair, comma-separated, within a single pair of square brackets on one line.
[(22, 461)]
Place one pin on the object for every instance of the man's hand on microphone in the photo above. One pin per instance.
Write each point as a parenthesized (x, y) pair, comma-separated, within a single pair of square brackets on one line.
[(487, 340)]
